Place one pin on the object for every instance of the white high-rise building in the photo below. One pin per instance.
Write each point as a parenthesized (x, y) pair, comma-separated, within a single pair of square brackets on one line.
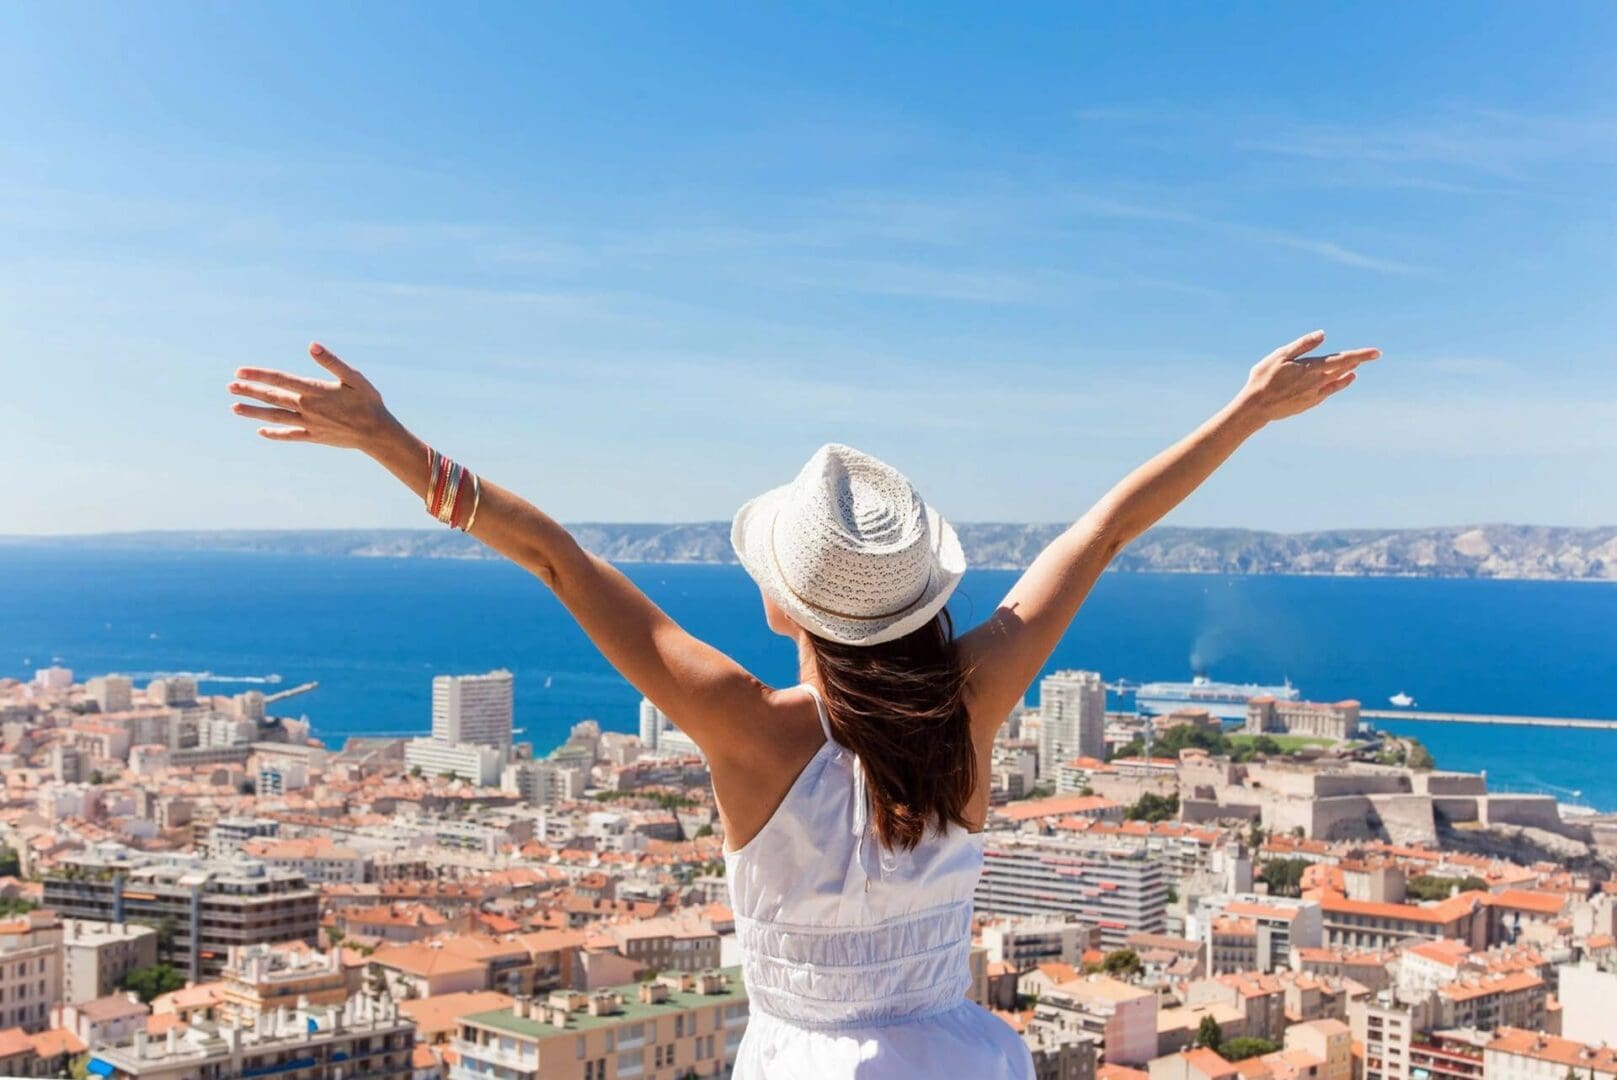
[(1072, 718), (473, 709), (53, 678), (112, 693), (659, 738), (652, 722), (172, 690)]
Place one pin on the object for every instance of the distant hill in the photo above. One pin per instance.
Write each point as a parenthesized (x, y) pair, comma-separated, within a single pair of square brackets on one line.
[(1464, 551)]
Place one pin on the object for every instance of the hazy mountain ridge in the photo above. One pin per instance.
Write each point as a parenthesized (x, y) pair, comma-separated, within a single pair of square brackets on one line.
[(1464, 551)]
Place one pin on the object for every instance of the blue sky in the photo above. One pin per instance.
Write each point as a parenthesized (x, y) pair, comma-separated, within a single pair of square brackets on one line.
[(639, 261)]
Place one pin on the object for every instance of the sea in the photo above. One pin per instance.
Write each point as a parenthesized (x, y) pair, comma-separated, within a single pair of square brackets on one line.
[(373, 632)]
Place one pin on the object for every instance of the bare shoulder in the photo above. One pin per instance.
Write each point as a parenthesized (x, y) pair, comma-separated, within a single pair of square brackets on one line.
[(754, 770), (990, 694)]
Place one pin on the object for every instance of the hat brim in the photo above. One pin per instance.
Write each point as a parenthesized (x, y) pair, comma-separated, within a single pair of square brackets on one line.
[(749, 535)]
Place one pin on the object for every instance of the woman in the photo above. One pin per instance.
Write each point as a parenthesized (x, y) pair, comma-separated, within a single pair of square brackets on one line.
[(853, 803)]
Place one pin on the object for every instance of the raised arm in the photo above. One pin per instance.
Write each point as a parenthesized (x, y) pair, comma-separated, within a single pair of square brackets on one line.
[(1008, 650), (700, 688)]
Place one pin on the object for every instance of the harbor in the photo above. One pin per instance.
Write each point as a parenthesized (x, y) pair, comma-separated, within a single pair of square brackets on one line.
[(1483, 718)]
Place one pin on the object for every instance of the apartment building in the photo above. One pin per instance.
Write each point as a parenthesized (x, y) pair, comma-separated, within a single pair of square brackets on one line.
[(1448, 1055), (1113, 884), (1247, 932), (669, 943), (30, 969), (1363, 924), (259, 979), (97, 955), (1027, 942), (1388, 1029), (1328, 1041), (319, 859), (1506, 999), (199, 907), (363, 1038), (474, 709), (680, 1024), (1515, 1054), (1122, 1019), (229, 834), (1072, 718)]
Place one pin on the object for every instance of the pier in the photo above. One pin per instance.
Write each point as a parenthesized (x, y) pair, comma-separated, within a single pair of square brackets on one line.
[(279, 695), (1481, 718)]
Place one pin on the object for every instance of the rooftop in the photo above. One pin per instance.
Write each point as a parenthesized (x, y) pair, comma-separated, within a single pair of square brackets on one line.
[(630, 1010)]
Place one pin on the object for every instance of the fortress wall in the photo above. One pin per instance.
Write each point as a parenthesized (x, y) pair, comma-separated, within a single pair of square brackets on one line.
[(1201, 810), (1284, 815), (1343, 817), (1125, 791), (1450, 783), (1406, 819), (1363, 784), (1537, 811), (1458, 809), (1298, 783)]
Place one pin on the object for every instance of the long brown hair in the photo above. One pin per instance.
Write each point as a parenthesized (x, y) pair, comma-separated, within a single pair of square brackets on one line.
[(901, 707)]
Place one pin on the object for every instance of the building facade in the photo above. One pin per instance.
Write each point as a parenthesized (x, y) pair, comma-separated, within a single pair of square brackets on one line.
[(678, 1025), (1072, 718), (199, 908), (473, 709), (1118, 887)]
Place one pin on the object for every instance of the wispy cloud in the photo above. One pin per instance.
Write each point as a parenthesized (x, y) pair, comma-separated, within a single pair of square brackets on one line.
[(1324, 249)]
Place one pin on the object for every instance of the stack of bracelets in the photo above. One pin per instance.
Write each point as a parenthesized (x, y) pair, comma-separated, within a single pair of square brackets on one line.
[(447, 485)]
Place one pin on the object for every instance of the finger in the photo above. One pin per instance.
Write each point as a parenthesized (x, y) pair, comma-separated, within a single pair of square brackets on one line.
[(265, 394), (332, 363), (1337, 385), (285, 434), (1299, 347), (281, 379), (274, 416)]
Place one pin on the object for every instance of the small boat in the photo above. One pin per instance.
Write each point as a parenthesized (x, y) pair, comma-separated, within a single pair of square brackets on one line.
[(547, 682), (1402, 700)]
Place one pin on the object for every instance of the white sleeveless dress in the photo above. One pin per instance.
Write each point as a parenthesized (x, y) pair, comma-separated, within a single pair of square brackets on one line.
[(856, 958)]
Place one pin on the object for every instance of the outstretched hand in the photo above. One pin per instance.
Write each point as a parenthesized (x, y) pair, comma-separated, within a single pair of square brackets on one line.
[(347, 412), (1287, 382)]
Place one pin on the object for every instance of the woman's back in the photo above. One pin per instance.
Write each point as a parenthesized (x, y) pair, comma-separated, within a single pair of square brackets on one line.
[(857, 957)]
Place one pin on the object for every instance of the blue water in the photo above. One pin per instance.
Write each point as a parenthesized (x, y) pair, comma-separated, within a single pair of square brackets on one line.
[(373, 632)]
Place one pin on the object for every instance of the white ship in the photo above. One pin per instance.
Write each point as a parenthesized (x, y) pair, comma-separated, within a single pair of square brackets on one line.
[(1402, 700), (1226, 701)]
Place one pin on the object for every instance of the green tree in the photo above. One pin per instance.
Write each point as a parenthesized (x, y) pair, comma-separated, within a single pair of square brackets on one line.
[(150, 982), (1153, 808), (1246, 1046), (1284, 876), (15, 905), (10, 864), (415, 771), (1121, 963), (1254, 836), (1209, 1034), (705, 830), (1419, 757), (1432, 887)]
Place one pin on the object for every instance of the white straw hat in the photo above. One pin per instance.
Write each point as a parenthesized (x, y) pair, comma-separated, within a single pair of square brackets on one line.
[(849, 550)]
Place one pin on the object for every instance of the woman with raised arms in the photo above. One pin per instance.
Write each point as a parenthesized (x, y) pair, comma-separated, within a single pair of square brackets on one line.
[(853, 802)]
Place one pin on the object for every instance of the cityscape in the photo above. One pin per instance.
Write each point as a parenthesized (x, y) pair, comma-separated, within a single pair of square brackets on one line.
[(196, 887)]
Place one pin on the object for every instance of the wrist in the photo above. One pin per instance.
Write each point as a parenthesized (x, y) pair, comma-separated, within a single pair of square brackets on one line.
[(1245, 413), (390, 441)]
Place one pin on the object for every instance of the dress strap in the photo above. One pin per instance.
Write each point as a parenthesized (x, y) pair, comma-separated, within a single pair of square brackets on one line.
[(819, 707)]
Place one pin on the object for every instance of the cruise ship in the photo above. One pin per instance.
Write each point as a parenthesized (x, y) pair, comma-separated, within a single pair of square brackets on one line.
[(1224, 700)]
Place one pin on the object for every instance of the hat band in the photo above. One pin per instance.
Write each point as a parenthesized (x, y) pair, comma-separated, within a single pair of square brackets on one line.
[(780, 573)]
